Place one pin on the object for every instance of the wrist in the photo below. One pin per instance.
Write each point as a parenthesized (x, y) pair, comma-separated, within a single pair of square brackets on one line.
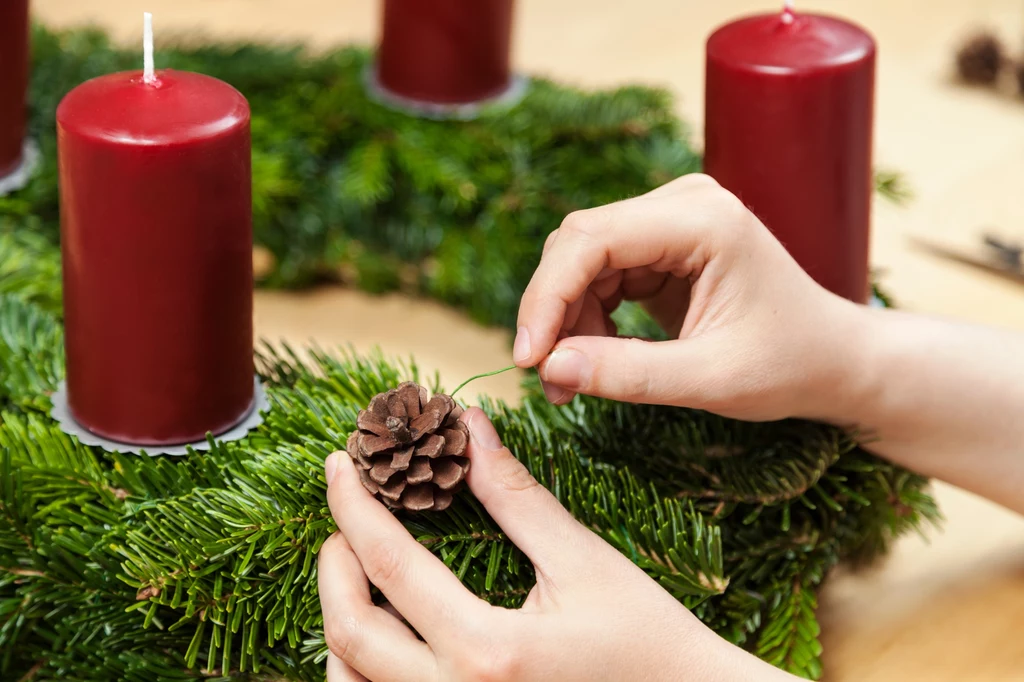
[(721, 660), (847, 383)]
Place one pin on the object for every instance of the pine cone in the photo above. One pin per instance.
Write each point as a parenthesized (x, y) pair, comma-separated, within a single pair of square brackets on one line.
[(410, 452), (980, 59), (1019, 72)]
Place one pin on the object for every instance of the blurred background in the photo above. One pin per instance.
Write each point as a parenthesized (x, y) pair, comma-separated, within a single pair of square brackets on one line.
[(946, 607)]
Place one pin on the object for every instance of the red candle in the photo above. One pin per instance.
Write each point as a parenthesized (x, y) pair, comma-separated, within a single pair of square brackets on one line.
[(14, 59), (446, 51), (156, 237), (789, 123)]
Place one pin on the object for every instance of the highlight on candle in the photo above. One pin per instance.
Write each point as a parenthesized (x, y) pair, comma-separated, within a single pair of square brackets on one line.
[(148, 72)]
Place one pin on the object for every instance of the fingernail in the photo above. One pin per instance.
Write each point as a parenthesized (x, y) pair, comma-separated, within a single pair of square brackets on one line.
[(568, 368), (482, 430), (555, 394), (521, 349), (331, 467)]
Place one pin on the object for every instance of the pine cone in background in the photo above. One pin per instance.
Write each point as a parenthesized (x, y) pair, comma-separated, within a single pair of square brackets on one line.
[(1018, 71), (980, 59), (410, 452)]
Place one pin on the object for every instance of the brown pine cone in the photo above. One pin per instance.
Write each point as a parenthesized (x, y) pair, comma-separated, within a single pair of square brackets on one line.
[(980, 59), (411, 452)]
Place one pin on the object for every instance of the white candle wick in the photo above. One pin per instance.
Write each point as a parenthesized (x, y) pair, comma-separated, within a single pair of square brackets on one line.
[(148, 73), (787, 12)]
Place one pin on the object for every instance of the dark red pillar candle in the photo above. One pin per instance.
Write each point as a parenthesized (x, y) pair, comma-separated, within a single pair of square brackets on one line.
[(14, 59), (446, 51), (789, 124), (156, 230)]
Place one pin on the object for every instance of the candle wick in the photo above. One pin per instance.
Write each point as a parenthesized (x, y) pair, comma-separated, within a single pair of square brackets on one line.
[(148, 72), (788, 12)]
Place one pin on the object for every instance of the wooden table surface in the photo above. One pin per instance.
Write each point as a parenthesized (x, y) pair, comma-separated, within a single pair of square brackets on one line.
[(946, 607)]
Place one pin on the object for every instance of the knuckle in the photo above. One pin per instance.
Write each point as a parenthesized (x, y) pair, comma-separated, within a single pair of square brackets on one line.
[(581, 224), (637, 386), (383, 563), (729, 206), (342, 636), (701, 180), (516, 478), (551, 238), (636, 380), (334, 544), (730, 217), (498, 663)]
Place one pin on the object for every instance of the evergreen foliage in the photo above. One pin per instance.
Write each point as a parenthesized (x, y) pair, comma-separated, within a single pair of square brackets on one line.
[(115, 566)]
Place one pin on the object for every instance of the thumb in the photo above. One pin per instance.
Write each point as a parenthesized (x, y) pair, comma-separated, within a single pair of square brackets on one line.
[(628, 370), (525, 510)]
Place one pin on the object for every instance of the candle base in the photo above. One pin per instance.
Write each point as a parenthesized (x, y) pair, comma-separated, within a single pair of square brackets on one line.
[(463, 111), (61, 412), (20, 176)]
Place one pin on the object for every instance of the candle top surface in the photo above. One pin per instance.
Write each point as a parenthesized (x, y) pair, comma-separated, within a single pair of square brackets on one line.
[(797, 43), (180, 107)]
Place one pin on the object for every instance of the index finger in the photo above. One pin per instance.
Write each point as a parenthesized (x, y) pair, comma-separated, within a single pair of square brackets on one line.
[(647, 231), (417, 584)]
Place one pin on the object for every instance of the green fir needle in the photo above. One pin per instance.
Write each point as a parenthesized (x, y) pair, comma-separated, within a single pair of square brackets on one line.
[(481, 376)]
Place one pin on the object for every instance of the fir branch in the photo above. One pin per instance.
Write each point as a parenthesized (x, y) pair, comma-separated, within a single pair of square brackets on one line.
[(790, 641), (30, 265), (220, 544)]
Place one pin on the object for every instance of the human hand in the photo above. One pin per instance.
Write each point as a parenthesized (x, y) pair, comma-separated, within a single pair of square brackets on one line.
[(755, 337), (593, 615)]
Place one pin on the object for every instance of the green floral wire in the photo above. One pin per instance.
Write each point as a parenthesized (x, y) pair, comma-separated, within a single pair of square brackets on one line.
[(481, 376)]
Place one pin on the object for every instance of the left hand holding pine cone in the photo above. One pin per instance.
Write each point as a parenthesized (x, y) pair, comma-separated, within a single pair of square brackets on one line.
[(592, 615)]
